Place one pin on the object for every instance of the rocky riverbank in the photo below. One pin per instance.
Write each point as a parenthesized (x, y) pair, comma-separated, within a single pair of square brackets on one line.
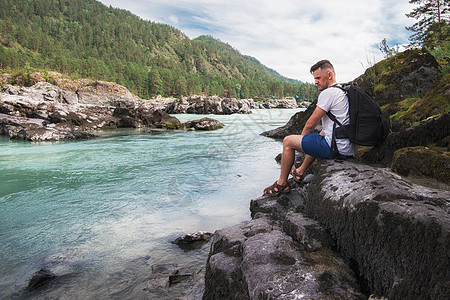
[(66, 109), (45, 112), (351, 232), (220, 106)]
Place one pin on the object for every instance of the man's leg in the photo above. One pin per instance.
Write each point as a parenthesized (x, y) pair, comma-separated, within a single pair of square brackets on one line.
[(290, 144), (300, 171)]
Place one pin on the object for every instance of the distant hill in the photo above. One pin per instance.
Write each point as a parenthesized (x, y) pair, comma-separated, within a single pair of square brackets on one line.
[(85, 38), (272, 72)]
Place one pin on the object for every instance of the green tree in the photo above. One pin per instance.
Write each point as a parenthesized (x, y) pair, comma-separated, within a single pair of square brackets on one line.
[(155, 83), (85, 38), (386, 50), (430, 15)]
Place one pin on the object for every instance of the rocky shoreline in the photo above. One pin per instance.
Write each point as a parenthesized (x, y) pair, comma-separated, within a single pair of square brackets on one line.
[(76, 110), (353, 232)]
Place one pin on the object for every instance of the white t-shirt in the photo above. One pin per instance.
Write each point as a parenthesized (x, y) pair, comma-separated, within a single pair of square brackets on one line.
[(335, 100)]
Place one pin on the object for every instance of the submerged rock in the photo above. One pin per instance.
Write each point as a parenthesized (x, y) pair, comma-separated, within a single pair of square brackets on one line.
[(193, 241), (40, 278), (176, 277)]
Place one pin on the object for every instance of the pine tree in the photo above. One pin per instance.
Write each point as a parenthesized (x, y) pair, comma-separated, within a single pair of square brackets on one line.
[(432, 16), (155, 83)]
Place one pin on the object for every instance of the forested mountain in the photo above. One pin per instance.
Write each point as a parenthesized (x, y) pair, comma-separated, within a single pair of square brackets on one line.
[(85, 38)]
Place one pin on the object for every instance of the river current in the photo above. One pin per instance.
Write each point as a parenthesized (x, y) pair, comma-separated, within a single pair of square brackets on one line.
[(101, 213)]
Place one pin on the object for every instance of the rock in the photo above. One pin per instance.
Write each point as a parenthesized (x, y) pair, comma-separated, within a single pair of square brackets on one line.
[(40, 278), (294, 125), (44, 113), (256, 260), (395, 233), (278, 207), (289, 103), (161, 119), (408, 74), (309, 234), (103, 93), (176, 277), (431, 130), (193, 241), (37, 130), (410, 111), (203, 124), (422, 161), (159, 103), (36, 77), (392, 233), (196, 292), (209, 105), (308, 178)]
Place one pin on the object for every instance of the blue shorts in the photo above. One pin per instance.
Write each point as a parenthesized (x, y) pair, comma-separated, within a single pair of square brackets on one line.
[(315, 145)]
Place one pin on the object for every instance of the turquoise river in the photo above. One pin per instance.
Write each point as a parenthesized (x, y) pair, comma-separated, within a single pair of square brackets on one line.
[(101, 213)]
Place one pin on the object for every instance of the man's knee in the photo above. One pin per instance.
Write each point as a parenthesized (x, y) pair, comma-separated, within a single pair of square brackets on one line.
[(293, 141)]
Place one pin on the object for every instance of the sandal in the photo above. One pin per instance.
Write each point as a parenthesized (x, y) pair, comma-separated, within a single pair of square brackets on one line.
[(296, 174), (276, 189)]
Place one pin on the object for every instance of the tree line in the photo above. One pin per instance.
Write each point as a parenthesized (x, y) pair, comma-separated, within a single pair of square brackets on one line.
[(86, 39)]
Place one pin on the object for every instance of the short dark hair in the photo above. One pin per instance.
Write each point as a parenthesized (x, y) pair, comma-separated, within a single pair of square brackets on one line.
[(323, 64)]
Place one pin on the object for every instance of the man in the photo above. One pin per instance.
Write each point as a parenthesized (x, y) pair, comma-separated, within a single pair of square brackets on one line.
[(312, 144)]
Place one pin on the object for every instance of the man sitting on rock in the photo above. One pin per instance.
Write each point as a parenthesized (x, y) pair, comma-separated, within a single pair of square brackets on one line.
[(315, 145)]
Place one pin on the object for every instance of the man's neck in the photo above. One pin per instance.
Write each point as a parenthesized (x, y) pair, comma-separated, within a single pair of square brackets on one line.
[(332, 83)]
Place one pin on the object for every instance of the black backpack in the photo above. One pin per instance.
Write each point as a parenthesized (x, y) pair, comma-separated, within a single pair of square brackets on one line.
[(367, 126)]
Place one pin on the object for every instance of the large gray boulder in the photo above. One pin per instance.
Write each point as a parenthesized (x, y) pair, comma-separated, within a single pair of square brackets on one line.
[(257, 260), (281, 103), (353, 231), (102, 93), (395, 233)]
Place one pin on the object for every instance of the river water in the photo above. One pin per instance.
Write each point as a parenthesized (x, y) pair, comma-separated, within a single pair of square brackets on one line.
[(101, 213)]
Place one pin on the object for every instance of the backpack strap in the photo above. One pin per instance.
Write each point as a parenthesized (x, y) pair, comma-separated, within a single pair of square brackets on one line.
[(334, 149)]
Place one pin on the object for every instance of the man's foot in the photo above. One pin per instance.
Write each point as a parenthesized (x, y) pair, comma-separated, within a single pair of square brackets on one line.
[(297, 177), (276, 189)]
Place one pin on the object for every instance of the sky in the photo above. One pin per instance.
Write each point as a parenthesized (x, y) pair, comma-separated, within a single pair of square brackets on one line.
[(289, 36)]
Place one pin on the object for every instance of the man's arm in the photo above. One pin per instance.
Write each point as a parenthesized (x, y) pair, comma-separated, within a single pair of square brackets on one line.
[(313, 121)]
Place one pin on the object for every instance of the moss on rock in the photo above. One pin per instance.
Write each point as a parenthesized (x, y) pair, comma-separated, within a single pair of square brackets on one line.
[(408, 74), (422, 161), (410, 111)]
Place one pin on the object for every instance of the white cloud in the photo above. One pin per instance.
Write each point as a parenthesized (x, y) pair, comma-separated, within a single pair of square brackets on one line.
[(173, 19), (288, 35)]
